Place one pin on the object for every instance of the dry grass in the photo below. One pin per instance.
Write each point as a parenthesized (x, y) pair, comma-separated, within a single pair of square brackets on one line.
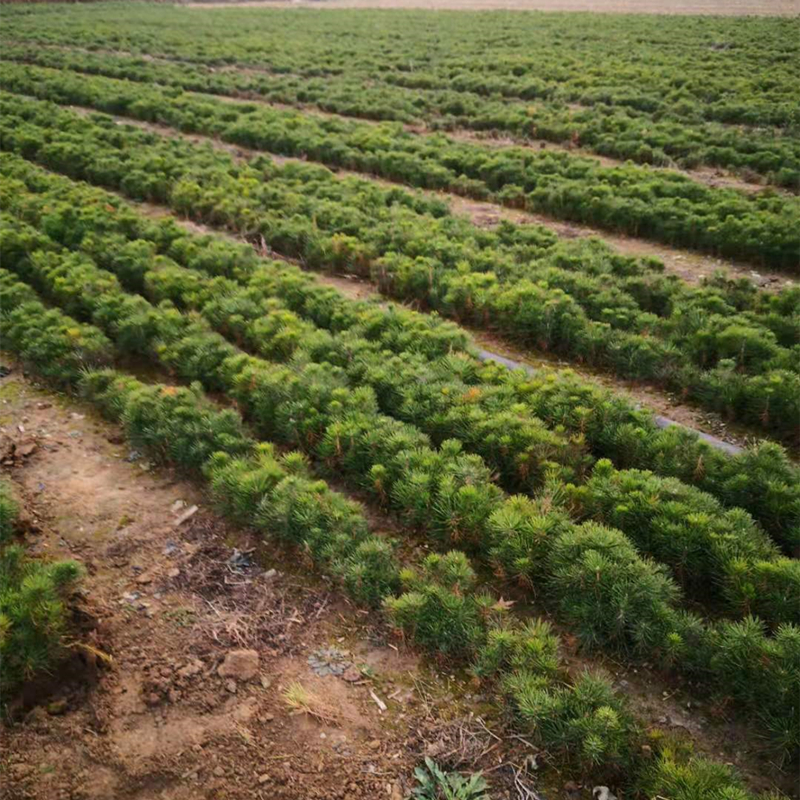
[(303, 701)]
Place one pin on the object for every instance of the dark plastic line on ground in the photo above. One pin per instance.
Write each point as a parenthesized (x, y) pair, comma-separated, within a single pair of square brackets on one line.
[(661, 422)]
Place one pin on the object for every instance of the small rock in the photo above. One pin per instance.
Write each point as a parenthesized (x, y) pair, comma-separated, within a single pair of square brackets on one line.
[(152, 699), (219, 771), (351, 674), (188, 514), (240, 664), (144, 578), (263, 778), (374, 744), (265, 682), (434, 748), (170, 549), (192, 668), (603, 793), (268, 717), (35, 716), (231, 686), (173, 573), (25, 448)]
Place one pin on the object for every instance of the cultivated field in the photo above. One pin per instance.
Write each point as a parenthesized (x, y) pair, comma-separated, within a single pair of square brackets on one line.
[(767, 8), (438, 380)]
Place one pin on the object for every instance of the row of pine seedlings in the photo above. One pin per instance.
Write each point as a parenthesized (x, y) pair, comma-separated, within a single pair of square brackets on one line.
[(764, 482), (472, 103), (723, 346), (658, 205), (87, 283)]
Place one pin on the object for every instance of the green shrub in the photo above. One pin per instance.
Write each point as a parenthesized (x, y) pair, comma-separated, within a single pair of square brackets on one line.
[(9, 511), (34, 615), (370, 572), (532, 647), (274, 494), (759, 672), (608, 592), (47, 341), (440, 609), (679, 775), (586, 719), (521, 532)]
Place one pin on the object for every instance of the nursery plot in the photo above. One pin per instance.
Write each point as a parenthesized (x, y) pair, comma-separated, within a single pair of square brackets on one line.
[(715, 92), (338, 541), (760, 228), (168, 693), (521, 539), (572, 297)]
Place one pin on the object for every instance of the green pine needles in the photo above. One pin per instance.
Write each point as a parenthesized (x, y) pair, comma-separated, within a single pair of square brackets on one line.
[(34, 606)]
